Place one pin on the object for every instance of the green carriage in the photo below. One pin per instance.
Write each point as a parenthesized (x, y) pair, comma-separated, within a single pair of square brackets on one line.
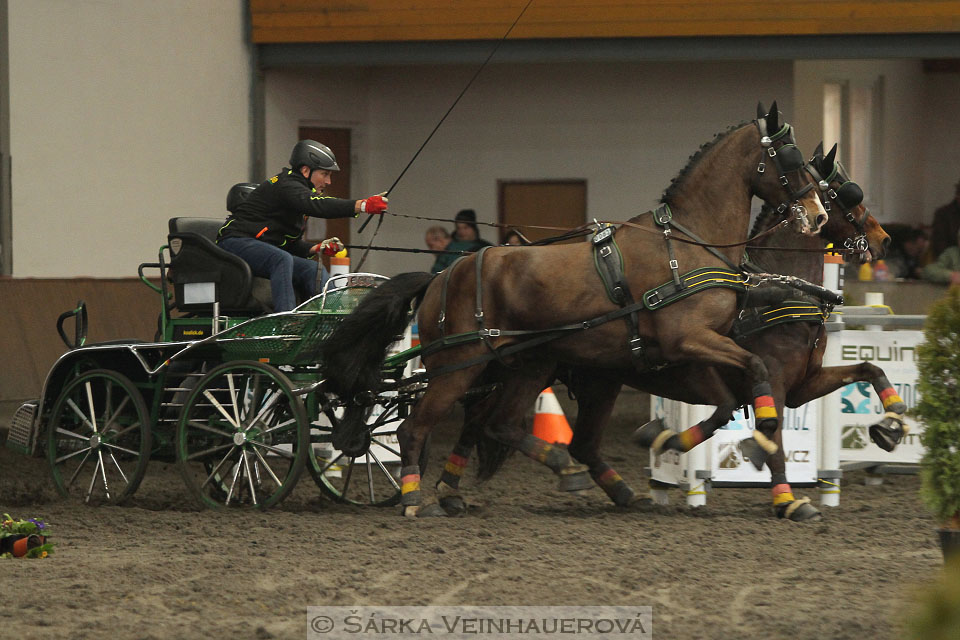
[(235, 399)]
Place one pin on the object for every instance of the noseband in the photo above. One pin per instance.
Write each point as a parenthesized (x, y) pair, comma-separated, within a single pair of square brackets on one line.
[(846, 197), (786, 158)]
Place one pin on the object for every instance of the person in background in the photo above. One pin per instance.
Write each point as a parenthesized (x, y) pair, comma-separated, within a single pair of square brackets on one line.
[(266, 227), (946, 269), (466, 234), (946, 224), (905, 258), (438, 239), (512, 238)]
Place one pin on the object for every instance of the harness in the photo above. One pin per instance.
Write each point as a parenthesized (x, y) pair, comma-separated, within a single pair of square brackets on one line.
[(756, 319), (608, 261)]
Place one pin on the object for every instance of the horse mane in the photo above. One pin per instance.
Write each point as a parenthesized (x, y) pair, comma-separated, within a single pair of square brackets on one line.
[(764, 220), (692, 161)]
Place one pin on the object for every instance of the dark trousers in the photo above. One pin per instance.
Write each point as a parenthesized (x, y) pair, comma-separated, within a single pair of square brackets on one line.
[(284, 270)]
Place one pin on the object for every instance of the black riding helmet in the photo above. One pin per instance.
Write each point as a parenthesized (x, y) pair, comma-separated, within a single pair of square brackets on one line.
[(312, 154), (238, 193)]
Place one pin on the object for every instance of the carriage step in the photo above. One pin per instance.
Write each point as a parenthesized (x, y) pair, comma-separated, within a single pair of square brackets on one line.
[(22, 435)]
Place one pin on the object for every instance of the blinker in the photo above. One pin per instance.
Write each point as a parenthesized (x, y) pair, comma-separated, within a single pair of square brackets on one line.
[(849, 195), (791, 159)]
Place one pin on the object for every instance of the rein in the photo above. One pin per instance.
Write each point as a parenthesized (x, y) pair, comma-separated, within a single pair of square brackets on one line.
[(395, 182)]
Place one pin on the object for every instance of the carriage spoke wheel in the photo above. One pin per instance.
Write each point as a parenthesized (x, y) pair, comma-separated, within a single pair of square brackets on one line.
[(242, 438), (371, 479), (98, 443)]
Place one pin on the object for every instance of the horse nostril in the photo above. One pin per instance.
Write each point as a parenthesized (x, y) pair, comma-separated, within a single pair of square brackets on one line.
[(821, 220)]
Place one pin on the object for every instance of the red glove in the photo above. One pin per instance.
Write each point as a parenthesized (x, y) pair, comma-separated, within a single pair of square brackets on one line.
[(373, 205), (329, 247)]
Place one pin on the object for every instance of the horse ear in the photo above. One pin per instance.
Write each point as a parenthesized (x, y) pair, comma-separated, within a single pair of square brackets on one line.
[(773, 119), (761, 112), (818, 152), (828, 159)]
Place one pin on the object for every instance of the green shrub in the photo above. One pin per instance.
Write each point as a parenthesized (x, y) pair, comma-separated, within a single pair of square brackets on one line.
[(938, 364)]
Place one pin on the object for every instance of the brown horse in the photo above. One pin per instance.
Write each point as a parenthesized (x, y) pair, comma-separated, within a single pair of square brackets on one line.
[(527, 307), (792, 353)]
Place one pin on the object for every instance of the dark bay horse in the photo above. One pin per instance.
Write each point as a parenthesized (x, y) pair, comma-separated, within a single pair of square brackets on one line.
[(527, 306), (792, 353)]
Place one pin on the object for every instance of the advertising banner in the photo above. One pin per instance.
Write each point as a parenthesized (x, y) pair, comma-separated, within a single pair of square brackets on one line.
[(856, 406)]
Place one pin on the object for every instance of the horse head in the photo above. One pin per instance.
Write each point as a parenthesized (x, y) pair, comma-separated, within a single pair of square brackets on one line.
[(780, 179), (850, 223)]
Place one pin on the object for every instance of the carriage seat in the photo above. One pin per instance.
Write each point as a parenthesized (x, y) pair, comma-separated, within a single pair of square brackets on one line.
[(199, 268)]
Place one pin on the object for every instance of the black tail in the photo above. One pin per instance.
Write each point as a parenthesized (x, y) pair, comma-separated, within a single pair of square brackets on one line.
[(353, 354), (491, 454)]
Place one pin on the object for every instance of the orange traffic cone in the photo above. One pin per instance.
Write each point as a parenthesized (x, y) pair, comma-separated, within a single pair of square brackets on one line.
[(549, 423)]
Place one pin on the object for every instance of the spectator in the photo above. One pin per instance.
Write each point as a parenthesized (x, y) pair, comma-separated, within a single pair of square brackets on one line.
[(466, 232), (905, 258), (513, 237), (947, 267), (438, 239), (946, 224)]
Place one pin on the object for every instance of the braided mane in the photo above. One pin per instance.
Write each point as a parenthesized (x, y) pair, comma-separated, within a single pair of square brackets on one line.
[(675, 184)]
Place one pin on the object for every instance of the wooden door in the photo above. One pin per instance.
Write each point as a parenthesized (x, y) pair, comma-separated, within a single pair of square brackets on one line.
[(339, 142), (553, 203)]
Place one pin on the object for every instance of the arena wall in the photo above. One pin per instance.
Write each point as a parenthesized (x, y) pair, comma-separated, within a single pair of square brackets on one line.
[(123, 114), (626, 128)]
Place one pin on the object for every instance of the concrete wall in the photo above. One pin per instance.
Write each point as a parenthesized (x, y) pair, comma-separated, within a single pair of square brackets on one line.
[(939, 128), (124, 113), (904, 188), (626, 128)]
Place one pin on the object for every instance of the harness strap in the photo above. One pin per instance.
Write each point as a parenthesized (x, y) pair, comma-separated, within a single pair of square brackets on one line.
[(607, 253), (443, 294)]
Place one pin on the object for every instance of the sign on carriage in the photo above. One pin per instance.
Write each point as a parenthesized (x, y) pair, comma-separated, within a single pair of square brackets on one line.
[(856, 406)]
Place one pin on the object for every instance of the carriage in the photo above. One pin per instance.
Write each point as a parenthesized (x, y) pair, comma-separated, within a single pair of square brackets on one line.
[(235, 397)]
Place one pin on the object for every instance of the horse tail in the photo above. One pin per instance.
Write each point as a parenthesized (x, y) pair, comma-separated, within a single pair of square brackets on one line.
[(491, 454), (353, 355)]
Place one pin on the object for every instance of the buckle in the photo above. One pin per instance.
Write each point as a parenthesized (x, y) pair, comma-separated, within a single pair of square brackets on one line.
[(603, 236), (605, 251), (490, 333), (653, 299), (674, 265)]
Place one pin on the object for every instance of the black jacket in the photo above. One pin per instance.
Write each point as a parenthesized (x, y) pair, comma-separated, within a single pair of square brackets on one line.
[(276, 210)]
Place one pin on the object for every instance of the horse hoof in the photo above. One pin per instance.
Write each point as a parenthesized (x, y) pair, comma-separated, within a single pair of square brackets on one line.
[(798, 511), (410, 510), (453, 505), (887, 433), (576, 477), (646, 434), (625, 497), (753, 452), (433, 510)]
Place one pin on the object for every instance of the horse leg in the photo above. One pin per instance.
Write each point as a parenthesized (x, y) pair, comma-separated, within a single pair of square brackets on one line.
[(785, 505), (596, 397), (520, 391), (706, 384), (890, 429), (412, 432), (449, 499)]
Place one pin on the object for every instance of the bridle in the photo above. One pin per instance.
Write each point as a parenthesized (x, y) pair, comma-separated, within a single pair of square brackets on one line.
[(846, 197), (786, 158)]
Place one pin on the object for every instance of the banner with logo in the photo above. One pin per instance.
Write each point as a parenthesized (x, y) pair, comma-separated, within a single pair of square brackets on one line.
[(856, 406), (726, 464)]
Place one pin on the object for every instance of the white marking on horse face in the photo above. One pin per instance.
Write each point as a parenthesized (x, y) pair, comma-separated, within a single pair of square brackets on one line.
[(814, 216)]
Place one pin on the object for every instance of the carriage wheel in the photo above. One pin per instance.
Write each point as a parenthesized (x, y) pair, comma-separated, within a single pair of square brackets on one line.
[(242, 439), (98, 443), (372, 479)]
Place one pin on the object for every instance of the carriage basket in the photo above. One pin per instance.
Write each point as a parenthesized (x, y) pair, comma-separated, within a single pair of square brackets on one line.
[(22, 436), (291, 338)]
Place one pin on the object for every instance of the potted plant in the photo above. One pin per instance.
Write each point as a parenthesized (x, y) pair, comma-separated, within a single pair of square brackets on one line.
[(938, 364), (24, 538)]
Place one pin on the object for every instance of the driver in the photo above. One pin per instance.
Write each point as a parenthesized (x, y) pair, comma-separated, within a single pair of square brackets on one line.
[(265, 227)]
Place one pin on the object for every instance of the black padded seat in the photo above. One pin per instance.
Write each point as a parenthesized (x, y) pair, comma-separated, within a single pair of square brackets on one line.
[(195, 258)]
